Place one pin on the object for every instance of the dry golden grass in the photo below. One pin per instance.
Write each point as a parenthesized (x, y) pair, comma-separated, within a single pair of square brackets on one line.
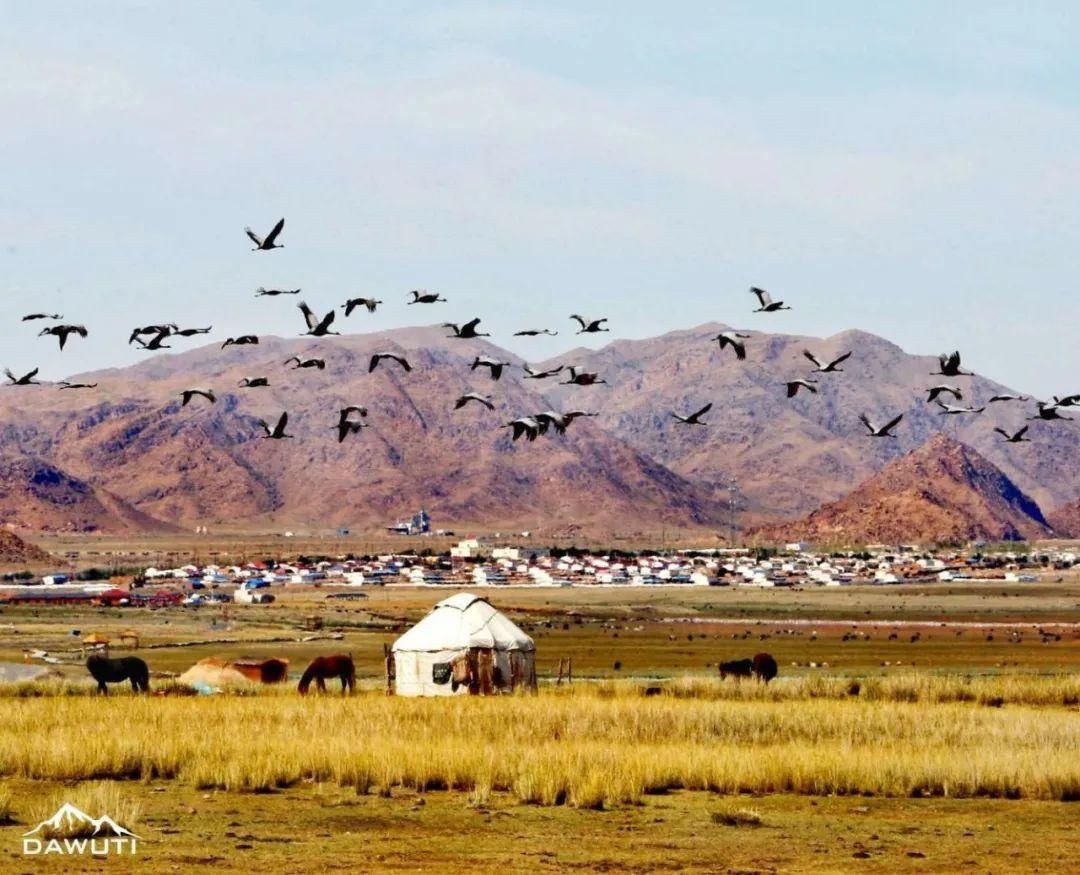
[(592, 746), (95, 798)]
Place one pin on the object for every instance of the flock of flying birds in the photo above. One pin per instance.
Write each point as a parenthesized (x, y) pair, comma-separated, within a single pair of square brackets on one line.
[(153, 337)]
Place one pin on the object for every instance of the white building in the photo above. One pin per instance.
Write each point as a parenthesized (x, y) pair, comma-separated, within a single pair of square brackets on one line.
[(464, 645)]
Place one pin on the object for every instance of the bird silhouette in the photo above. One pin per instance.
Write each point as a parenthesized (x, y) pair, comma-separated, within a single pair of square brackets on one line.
[(379, 356), (530, 374), (261, 292), (188, 394), (63, 332), (24, 380), (524, 426), (306, 363), (695, 417), (829, 367), (466, 331), (253, 382), (472, 396), (734, 340), (534, 332), (317, 327), (1016, 437), (793, 387), (584, 378), (494, 366), (242, 340), (882, 431), (270, 241), (64, 384), (353, 303), (949, 366), (422, 296), (768, 305), (278, 431), (589, 327), (32, 316)]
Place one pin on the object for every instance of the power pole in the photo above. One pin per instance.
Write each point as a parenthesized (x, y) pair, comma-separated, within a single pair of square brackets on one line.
[(733, 501)]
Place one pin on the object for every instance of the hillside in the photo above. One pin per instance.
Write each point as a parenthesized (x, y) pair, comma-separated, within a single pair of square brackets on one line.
[(208, 463), (943, 491), (1066, 520), (791, 455), (15, 552), (38, 496)]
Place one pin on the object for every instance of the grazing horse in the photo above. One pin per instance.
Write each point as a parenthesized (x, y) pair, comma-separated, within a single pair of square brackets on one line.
[(113, 671), (765, 668), (323, 667), (740, 668)]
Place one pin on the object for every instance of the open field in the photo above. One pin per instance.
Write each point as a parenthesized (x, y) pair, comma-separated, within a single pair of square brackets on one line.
[(951, 750)]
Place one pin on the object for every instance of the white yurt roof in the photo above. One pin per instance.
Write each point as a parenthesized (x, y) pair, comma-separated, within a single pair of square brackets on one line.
[(460, 622)]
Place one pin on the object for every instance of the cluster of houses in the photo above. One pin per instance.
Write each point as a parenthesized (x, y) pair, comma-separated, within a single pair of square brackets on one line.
[(472, 563)]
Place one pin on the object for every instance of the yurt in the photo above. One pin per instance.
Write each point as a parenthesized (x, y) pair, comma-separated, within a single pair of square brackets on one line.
[(463, 646)]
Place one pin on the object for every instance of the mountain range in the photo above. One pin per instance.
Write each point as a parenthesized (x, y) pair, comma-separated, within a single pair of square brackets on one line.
[(126, 455)]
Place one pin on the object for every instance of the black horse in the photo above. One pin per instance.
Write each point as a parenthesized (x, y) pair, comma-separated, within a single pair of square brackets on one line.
[(740, 668), (113, 671), (765, 668)]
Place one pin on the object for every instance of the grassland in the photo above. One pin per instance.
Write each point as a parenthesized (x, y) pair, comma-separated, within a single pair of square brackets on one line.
[(898, 755)]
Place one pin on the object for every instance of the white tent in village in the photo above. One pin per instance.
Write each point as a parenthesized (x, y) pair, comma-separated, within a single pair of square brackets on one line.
[(463, 646)]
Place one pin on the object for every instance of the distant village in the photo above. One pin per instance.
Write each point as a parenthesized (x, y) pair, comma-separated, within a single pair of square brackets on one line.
[(476, 563)]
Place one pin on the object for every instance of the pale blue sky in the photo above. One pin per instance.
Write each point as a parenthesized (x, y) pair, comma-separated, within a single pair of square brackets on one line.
[(908, 169)]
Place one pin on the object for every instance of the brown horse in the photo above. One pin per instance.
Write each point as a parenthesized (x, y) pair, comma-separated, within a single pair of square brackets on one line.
[(113, 671), (740, 668), (323, 667), (764, 667)]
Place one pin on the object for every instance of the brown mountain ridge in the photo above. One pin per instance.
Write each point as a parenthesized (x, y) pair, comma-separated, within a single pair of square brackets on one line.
[(944, 491)]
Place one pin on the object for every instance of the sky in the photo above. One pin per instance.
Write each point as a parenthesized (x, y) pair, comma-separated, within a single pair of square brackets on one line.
[(907, 169)]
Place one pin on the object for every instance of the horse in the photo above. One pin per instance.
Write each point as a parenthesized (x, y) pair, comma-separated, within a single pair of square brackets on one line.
[(323, 667), (740, 668), (764, 667), (113, 671)]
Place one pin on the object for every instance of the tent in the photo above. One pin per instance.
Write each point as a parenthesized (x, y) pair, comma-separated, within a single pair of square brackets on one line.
[(463, 646)]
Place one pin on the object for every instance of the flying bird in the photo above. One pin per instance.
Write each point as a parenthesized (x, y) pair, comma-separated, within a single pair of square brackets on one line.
[(934, 391), (466, 331), (1067, 401), (828, 368), (533, 332), (734, 340), (242, 340), (63, 332), (346, 426), (472, 396), (1048, 412), (30, 317), (24, 380), (526, 426), (188, 394), (768, 305), (353, 303), (271, 238), (793, 387), (260, 292), (64, 384), (379, 356), (166, 329), (950, 410), (584, 378), (530, 374), (188, 332), (278, 430), (306, 363), (1015, 438), (496, 367), (588, 327), (883, 431), (253, 382), (317, 327), (1008, 398), (949, 366), (695, 417), (155, 342), (422, 296)]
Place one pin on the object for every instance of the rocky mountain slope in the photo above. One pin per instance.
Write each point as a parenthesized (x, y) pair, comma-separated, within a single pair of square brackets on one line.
[(792, 455), (1066, 520), (15, 552), (208, 462), (943, 491)]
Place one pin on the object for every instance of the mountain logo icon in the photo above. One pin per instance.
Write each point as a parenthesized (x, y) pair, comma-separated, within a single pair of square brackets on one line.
[(68, 818)]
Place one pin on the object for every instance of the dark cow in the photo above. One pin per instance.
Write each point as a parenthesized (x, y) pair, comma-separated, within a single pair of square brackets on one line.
[(740, 668), (764, 667)]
